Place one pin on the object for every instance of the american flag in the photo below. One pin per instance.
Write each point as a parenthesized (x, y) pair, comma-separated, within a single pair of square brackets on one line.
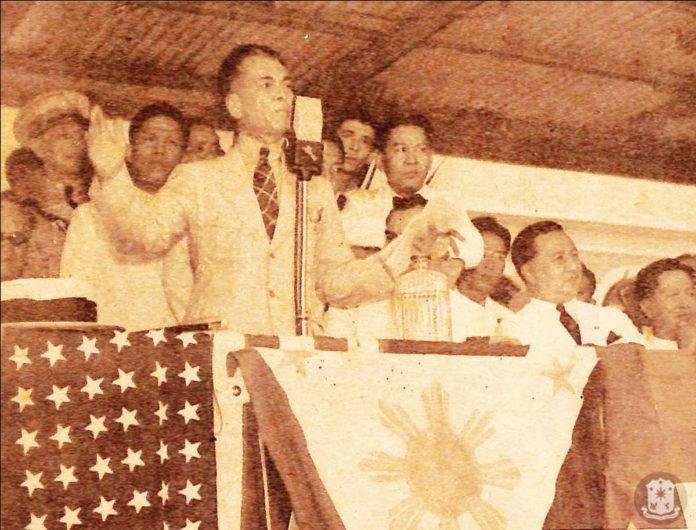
[(107, 429)]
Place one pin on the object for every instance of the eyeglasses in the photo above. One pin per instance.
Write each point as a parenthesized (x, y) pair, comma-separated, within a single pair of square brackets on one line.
[(17, 239)]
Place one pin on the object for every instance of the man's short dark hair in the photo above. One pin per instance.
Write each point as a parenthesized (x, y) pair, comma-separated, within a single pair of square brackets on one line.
[(415, 120), (230, 66), (587, 273), (523, 247), (157, 109), (357, 114), (649, 277), (491, 224)]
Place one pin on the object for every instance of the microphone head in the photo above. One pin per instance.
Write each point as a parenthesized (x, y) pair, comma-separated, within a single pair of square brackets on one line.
[(307, 124)]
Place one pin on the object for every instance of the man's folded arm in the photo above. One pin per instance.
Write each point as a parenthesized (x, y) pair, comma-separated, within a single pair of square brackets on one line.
[(140, 223)]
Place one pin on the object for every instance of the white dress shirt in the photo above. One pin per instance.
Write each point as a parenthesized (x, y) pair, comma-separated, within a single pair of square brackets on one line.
[(538, 324)]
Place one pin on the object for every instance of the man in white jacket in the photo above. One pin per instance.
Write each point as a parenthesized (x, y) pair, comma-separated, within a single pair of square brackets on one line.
[(129, 289)]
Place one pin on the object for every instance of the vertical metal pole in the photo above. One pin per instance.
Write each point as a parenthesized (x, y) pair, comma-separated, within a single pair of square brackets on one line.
[(301, 315)]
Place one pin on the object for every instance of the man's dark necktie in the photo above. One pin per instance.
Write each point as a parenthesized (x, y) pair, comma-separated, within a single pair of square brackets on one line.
[(266, 192), (402, 203), (570, 324)]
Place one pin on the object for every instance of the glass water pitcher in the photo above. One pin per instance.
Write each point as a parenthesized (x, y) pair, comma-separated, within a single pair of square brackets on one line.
[(422, 303)]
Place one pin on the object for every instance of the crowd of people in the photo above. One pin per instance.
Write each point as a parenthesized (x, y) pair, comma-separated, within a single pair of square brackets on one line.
[(169, 228)]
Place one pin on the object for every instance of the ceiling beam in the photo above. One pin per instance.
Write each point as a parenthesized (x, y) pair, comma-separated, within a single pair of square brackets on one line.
[(635, 153), (113, 71), (265, 13), (345, 76), (118, 99), (657, 84)]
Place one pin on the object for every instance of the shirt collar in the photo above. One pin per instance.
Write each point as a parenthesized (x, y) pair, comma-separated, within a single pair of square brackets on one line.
[(249, 147)]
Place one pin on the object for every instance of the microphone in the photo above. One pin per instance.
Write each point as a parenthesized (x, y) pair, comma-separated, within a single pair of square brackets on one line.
[(306, 146)]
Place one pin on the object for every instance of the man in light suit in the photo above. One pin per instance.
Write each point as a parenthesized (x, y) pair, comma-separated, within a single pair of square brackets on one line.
[(547, 261), (238, 211)]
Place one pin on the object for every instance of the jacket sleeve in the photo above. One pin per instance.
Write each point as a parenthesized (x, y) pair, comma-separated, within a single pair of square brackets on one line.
[(78, 243), (342, 280), (143, 224)]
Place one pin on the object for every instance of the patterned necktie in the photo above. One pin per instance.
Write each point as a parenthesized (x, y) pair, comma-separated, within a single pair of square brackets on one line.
[(266, 192), (570, 324)]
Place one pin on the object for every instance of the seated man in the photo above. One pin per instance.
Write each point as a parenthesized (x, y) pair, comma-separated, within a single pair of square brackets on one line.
[(130, 290), (547, 261), (379, 319), (666, 291), (478, 284), (408, 157)]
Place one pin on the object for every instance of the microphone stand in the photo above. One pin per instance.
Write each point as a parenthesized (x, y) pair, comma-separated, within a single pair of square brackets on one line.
[(301, 314)]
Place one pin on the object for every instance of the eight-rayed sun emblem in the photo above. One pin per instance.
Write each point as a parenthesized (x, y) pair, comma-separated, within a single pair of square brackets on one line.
[(440, 467)]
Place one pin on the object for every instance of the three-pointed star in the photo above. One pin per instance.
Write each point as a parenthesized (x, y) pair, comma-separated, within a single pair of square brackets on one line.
[(162, 452), (163, 493), (161, 412)]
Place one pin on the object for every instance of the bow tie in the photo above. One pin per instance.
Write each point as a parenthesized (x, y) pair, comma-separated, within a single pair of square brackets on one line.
[(402, 203)]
